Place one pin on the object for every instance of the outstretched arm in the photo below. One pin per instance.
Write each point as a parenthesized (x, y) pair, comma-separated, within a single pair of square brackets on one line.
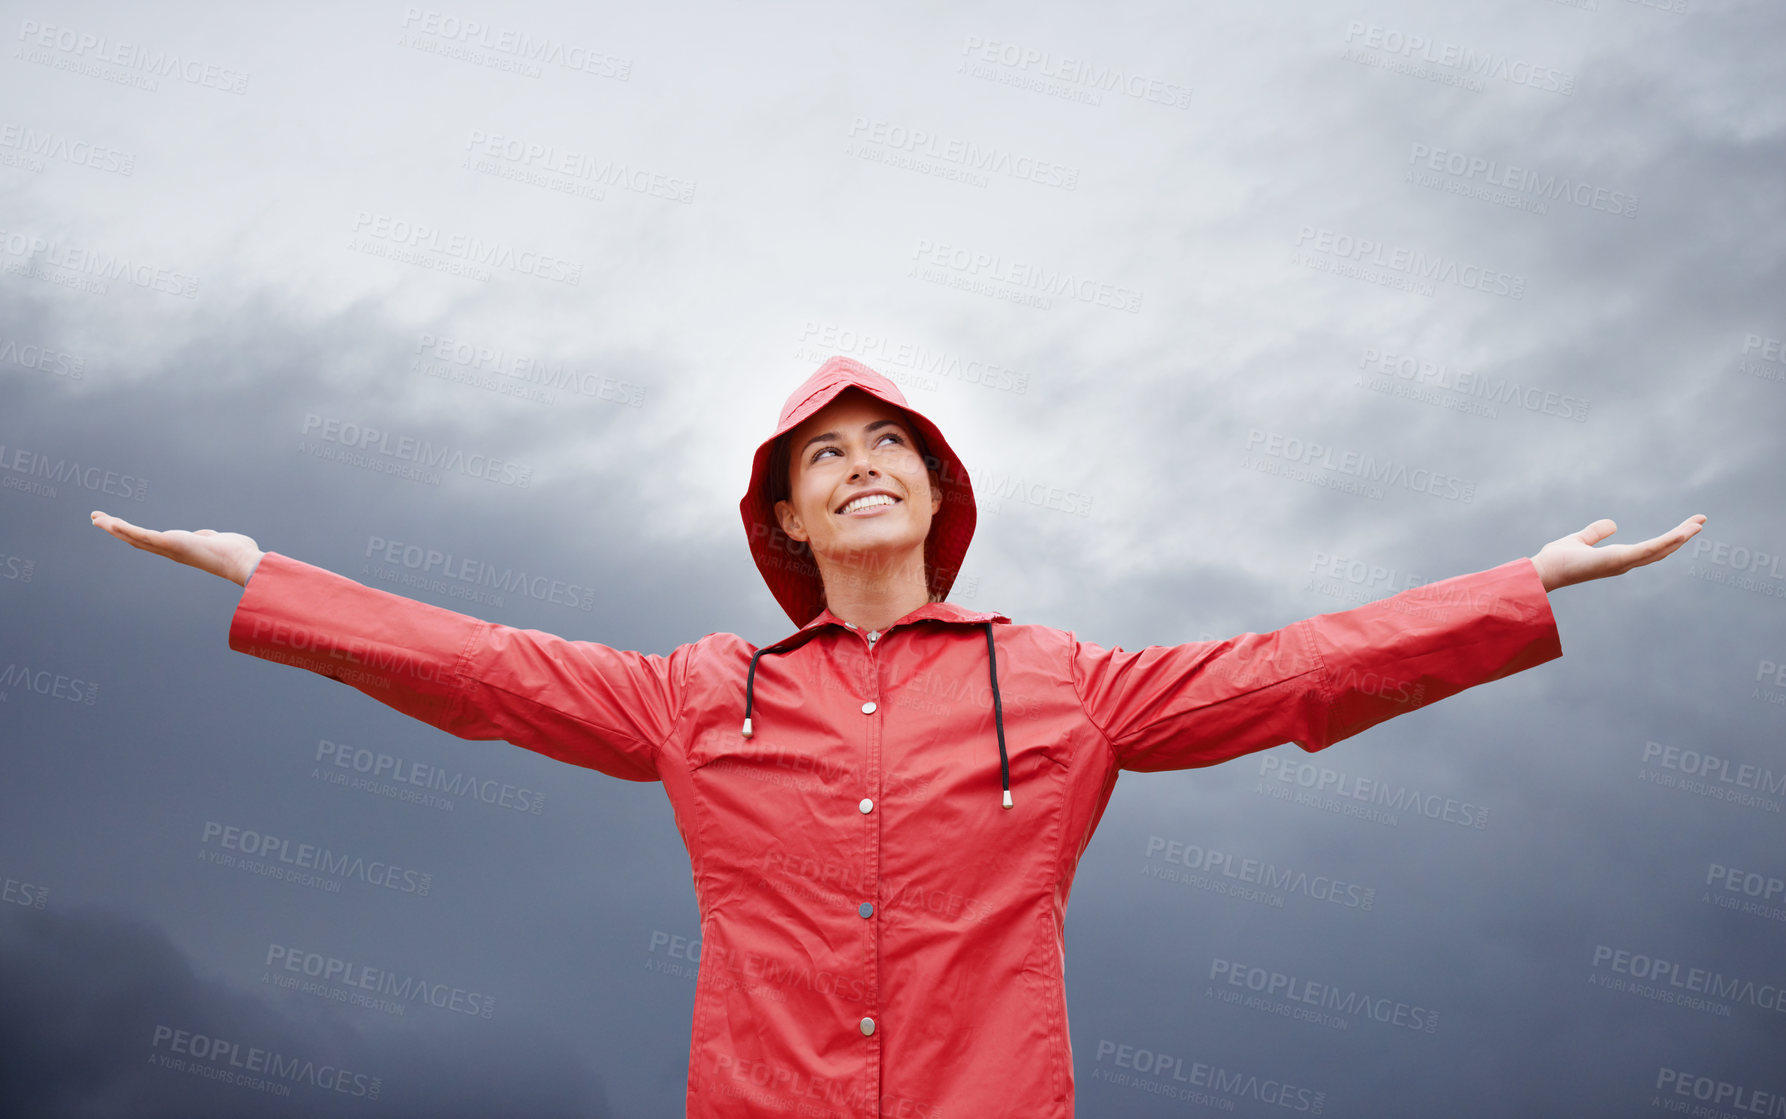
[(1574, 559), (578, 701), (1326, 678)]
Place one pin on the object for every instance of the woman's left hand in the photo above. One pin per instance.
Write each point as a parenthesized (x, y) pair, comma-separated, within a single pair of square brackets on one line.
[(1574, 559)]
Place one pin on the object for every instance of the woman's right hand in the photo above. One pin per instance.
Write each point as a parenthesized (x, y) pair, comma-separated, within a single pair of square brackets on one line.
[(229, 554)]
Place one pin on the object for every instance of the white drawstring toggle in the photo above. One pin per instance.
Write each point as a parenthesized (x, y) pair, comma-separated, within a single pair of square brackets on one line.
[(747, 726), (1007, 798)]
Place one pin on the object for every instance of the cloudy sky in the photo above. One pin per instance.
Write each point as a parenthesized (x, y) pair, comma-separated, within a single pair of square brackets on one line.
[(1163, 277)]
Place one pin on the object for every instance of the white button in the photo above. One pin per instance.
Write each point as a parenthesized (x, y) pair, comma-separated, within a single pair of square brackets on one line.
[(868, 708), (866, 806), (867, 1026)]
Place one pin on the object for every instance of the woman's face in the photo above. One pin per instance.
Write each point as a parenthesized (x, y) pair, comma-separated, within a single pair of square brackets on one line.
[(857, 447)]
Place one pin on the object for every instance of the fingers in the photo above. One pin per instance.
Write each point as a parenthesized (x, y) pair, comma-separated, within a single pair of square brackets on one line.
[(1668, 543), (136, 536), (117, 526), (1597, 531)]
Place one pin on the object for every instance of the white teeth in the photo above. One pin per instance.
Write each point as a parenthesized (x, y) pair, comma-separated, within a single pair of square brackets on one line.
[(866, 501)]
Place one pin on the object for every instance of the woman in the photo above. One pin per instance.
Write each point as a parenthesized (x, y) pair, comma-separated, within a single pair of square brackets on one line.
[(880, 935)]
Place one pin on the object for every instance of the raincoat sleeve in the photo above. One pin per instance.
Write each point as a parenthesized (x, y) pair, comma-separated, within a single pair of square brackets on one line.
[(576, 701), (1318, 680)]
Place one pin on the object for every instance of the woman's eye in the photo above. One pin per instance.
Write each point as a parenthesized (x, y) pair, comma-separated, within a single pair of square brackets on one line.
[(822, 451)]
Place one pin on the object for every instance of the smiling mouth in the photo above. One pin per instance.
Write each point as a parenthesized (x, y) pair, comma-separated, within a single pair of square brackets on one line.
[(868, 502)]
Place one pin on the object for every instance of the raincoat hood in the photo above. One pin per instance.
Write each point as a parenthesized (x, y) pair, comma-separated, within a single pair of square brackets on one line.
[(787, 564)]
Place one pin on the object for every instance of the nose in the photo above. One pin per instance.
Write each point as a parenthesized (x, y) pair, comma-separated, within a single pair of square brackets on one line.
[(862, 467)]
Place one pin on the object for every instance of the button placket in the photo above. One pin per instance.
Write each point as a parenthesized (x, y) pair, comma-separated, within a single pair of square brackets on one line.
[(871, 877)]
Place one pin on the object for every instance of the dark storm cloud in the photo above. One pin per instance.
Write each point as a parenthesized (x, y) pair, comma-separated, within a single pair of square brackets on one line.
[(106, 1016)]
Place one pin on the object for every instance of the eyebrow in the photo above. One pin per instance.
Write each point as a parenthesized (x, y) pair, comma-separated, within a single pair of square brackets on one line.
[(870, 428)]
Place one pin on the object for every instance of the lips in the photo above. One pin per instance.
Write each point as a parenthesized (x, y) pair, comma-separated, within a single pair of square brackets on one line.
[(867, 501)]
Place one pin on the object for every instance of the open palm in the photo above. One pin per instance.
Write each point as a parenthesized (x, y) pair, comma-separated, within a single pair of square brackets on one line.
[(1574, 559), (229, 554)]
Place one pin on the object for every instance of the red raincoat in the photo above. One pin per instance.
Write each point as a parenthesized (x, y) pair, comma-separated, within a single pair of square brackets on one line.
[(879, 936)]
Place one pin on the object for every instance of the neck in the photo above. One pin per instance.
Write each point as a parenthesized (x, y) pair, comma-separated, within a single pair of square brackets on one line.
[(871, 592)]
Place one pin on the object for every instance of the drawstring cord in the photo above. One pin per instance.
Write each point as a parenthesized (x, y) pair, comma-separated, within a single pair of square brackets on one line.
[(998, 710), (998, 714), (750, 680)]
